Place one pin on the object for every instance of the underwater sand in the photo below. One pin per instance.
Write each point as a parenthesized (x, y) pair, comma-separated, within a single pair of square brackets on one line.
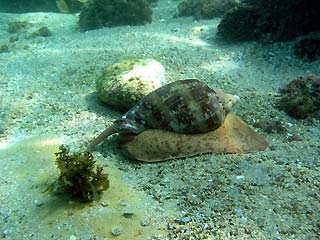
[(48, 97)]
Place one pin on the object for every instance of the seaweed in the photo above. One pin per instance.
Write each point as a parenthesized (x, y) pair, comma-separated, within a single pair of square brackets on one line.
[(80, 176)]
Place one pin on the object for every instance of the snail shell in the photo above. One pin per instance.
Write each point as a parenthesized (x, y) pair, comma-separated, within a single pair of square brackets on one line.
[(184, 106)]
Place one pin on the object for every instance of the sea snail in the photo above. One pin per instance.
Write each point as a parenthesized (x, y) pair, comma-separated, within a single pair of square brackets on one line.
[(184, 106)]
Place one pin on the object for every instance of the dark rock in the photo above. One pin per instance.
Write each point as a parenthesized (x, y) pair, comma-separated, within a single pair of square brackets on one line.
[(308, 49), (108, 13), (301, 97), (205, 9), (4, 48), (183, 220), (128, 214), (240, 24), (41, 32), (294, 138), (272, 20)]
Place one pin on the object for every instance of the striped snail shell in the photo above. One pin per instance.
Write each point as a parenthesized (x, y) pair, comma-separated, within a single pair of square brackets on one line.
[(184, 106)]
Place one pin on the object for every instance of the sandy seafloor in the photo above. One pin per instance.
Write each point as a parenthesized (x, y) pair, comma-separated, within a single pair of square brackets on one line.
[(48, 97)]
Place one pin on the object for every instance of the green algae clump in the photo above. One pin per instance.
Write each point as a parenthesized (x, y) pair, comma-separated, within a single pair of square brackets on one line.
[(80, 176)]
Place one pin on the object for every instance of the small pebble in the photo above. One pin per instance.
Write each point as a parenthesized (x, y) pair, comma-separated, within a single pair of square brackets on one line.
[(73, 237), (183, 220), (5, 233), (240, 177), (206, 226), (127, 212), (144, 222), (116, 231), (273, 147), (38, 203), (294, 138), (104, 204)]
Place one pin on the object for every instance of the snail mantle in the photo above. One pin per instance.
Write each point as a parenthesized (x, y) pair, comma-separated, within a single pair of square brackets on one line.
[(233, 136)]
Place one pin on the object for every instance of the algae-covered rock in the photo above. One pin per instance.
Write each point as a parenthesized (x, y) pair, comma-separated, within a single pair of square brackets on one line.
[(240, 23), (109, 13), (270, 20), (301, 97), (122, 85)]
